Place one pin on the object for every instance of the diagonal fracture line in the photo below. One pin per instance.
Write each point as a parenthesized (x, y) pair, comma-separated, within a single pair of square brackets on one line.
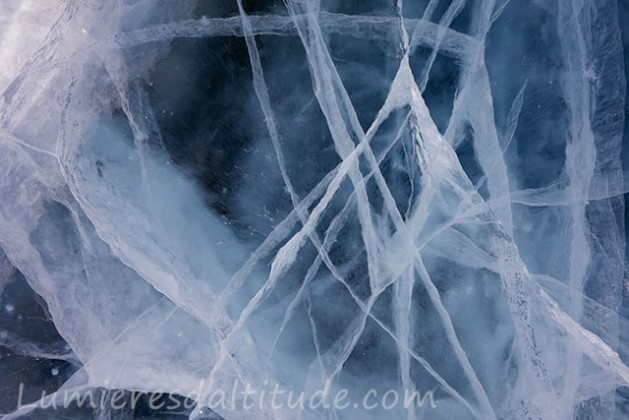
[(331, 234), (369, 240), (474, 88), (330, 81), (407, 95), (281, 231), (324, 88), (277, 235), (287, 254), (262, 93), (315, 337), (10, 138), (394, 213), (452, 12), (512, 123), (359, 325), (344, 167), (260, 87)]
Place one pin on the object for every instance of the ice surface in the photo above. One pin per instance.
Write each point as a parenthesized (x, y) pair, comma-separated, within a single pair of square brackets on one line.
[(369, 197)]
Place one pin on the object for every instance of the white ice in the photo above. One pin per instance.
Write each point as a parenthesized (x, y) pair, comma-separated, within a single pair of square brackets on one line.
[(501, 295)]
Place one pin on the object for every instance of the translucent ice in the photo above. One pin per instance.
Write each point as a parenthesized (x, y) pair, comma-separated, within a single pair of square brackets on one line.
[(344, 201)]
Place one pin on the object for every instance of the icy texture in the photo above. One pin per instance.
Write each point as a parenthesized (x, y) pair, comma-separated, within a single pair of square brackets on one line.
[(374, 195)]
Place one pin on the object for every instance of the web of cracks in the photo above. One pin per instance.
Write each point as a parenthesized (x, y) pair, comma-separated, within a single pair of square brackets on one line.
[(351, 142), (432, 156)]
